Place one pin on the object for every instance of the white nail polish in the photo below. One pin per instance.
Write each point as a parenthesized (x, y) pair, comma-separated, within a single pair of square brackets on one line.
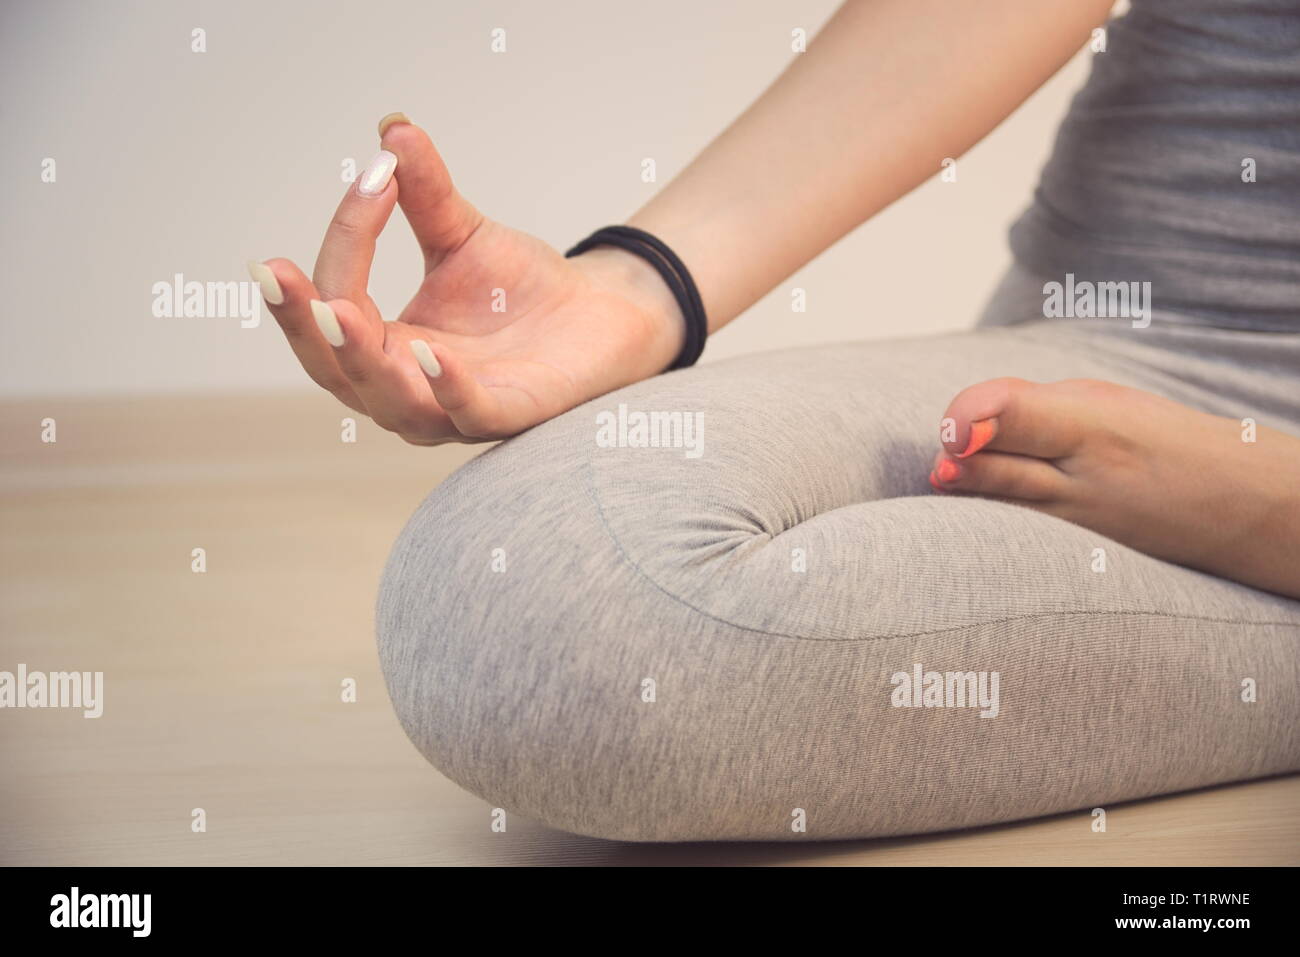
[(428, 361), (263, 276), (327, 322), (377, 173)]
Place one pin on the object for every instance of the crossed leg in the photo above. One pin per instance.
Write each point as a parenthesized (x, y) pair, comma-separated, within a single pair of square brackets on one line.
[(639, 644)]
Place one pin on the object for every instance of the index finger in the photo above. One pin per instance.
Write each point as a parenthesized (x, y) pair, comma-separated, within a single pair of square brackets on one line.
[(343, 265)]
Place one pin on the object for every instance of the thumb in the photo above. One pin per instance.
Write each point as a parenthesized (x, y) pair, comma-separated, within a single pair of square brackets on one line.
[(440, 217)]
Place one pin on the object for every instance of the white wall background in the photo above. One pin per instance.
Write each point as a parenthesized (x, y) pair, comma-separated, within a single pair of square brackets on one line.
[(170, 161)]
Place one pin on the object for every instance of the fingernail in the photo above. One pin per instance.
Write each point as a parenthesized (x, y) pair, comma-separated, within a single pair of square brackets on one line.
[(981, 434), (934, 482), (947, 470), (389, 120), (263, 276), (377, 173), (428, 361), (327, 322)]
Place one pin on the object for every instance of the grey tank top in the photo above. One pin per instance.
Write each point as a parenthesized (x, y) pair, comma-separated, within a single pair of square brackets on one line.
[(1178, 164)]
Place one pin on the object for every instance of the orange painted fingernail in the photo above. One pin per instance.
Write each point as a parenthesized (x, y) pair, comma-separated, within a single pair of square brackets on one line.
[(947, 470), (934, 483), (981, 434)]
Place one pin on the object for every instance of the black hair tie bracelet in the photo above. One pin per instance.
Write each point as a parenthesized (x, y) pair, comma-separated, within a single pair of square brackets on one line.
[(674, 273)]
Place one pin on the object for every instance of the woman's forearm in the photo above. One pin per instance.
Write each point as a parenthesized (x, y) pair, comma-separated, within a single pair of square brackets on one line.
[(885, 92)]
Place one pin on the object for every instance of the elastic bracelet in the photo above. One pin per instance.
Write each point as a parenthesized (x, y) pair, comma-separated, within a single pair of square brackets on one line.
[(675, 274)]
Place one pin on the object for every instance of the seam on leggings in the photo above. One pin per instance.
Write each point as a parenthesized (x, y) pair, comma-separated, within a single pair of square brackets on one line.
[(604, 522)]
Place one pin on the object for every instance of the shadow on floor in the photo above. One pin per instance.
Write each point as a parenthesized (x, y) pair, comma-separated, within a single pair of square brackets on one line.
[(593, 851)]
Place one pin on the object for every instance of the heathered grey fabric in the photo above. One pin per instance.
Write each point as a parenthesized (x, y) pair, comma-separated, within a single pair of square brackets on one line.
[(773, 686)]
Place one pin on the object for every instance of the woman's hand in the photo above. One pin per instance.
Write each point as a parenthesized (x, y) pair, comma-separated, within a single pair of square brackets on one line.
[(503, 331)]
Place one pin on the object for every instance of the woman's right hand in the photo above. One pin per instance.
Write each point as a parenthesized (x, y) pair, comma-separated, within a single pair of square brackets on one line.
[(502, 332)]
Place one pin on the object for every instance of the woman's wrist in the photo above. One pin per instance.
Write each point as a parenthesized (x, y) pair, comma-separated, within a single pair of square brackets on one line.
[(629, 277)]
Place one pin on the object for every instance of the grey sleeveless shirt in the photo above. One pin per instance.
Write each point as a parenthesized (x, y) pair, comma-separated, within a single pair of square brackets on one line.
[(1178, 164)]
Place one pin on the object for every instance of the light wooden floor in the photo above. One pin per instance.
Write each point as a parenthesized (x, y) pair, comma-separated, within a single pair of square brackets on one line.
[(222, 689)]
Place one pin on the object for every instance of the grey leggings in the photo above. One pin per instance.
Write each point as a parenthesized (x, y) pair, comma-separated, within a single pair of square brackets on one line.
[(644, 644)]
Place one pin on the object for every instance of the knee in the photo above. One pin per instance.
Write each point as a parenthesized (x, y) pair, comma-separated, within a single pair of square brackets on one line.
[(512, 637), (533, 593)]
